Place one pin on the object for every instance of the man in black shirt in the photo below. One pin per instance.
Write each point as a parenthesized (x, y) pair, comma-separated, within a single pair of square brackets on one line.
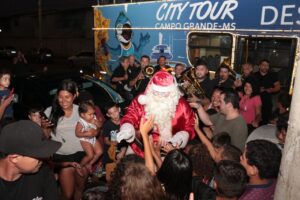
[(223, 80), (202, 77), (179, 68), (201, 73), (22, 175), (162, 64), (269, 84), (137, 80), (119, 78), (132, 62), (247, 71)]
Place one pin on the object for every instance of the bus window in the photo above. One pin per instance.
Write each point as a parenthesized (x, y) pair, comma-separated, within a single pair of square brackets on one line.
[(211, 47), (279, 51)]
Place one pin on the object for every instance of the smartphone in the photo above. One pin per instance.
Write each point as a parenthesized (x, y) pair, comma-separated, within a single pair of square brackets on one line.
[(44, 116)]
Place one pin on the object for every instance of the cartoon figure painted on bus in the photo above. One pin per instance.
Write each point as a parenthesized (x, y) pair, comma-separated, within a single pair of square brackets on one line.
[(124, 35)]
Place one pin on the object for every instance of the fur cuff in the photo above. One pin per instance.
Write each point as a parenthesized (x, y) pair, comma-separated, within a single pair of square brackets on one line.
[(142, 99), (127, 133), (181, 138)]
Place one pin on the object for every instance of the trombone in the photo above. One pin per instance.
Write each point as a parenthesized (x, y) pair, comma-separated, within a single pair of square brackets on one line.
[(149, 71)]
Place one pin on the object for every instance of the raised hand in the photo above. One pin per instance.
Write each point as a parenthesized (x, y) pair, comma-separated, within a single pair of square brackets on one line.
[(168, 147), (196, 122), (195, 105), (146, 125), (194, 98)]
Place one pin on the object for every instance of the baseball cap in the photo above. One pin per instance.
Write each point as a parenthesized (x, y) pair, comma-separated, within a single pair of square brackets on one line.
[(26, 138)]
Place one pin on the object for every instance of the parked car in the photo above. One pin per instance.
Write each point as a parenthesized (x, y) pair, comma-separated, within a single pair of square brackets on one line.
[(83, 59), (42, 55), (7, 52), (40, 89)]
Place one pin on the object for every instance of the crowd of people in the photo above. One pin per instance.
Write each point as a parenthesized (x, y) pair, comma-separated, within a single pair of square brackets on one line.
[(166, 144)]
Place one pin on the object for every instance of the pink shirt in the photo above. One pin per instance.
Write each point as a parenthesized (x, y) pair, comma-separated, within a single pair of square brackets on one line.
[(248, 107)]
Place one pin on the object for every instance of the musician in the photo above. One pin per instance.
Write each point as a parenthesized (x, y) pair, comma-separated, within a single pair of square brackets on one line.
[(179, 68), (132, 62), (119, 78), (133, 69), (202, 76), (161, 64), (223, 79), (137, 80)]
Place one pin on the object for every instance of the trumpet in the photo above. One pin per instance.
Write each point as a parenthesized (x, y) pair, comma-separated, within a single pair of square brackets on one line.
[(194, 88)]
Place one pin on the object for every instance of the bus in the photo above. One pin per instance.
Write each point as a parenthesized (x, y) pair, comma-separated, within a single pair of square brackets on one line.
[(213, 30)]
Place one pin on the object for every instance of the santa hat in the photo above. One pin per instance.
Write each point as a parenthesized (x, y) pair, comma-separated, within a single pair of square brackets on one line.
[(161, 81)]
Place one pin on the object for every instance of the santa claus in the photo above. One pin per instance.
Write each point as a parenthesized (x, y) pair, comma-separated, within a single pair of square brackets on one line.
[(173, 117)]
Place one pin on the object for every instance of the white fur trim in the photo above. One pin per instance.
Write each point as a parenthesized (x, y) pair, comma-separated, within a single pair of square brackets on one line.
[(127, 133), (166, 132), (181, 138), (164, 88), (142, 99)]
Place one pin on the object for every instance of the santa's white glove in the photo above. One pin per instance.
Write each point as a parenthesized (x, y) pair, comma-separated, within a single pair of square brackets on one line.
[(127, 132), (180, 139)]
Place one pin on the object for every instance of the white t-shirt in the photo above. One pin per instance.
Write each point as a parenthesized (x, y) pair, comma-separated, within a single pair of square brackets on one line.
[(265, 132), (65, 132)]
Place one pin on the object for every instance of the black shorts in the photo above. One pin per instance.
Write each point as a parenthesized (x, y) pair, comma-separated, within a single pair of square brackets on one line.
[(75, 157)]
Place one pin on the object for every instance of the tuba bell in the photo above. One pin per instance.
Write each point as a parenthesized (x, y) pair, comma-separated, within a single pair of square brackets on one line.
[(194, 87)]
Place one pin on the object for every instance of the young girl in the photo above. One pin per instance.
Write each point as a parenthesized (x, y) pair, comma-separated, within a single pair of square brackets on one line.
[(88, 123)]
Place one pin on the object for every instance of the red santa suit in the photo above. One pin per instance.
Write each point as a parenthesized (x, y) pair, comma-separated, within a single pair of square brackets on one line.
[(181, 128)]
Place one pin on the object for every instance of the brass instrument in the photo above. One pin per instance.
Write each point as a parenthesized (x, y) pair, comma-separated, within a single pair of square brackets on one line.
[(149, 71), (194, 88), (168, 69), (233, 74)]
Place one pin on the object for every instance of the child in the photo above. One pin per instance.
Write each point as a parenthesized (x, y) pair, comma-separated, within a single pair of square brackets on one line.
[(6, 94), (86, 129), (87, 96), (110, 129), (34, 114), (230, 180), (216, 146)]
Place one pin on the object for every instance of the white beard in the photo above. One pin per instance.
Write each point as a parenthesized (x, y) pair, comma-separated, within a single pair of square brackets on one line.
[(163, 109)]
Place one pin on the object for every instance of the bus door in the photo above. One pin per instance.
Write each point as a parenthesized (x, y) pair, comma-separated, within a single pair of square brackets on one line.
[(213, 48), (280, 51)]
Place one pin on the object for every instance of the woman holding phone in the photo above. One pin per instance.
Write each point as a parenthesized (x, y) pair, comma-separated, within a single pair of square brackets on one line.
[(63, 117)]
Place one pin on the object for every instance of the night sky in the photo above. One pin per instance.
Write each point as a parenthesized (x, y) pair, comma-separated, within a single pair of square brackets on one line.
[(20, 7)]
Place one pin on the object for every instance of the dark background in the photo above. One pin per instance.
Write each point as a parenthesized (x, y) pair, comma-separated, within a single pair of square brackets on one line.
[(66, 25)]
